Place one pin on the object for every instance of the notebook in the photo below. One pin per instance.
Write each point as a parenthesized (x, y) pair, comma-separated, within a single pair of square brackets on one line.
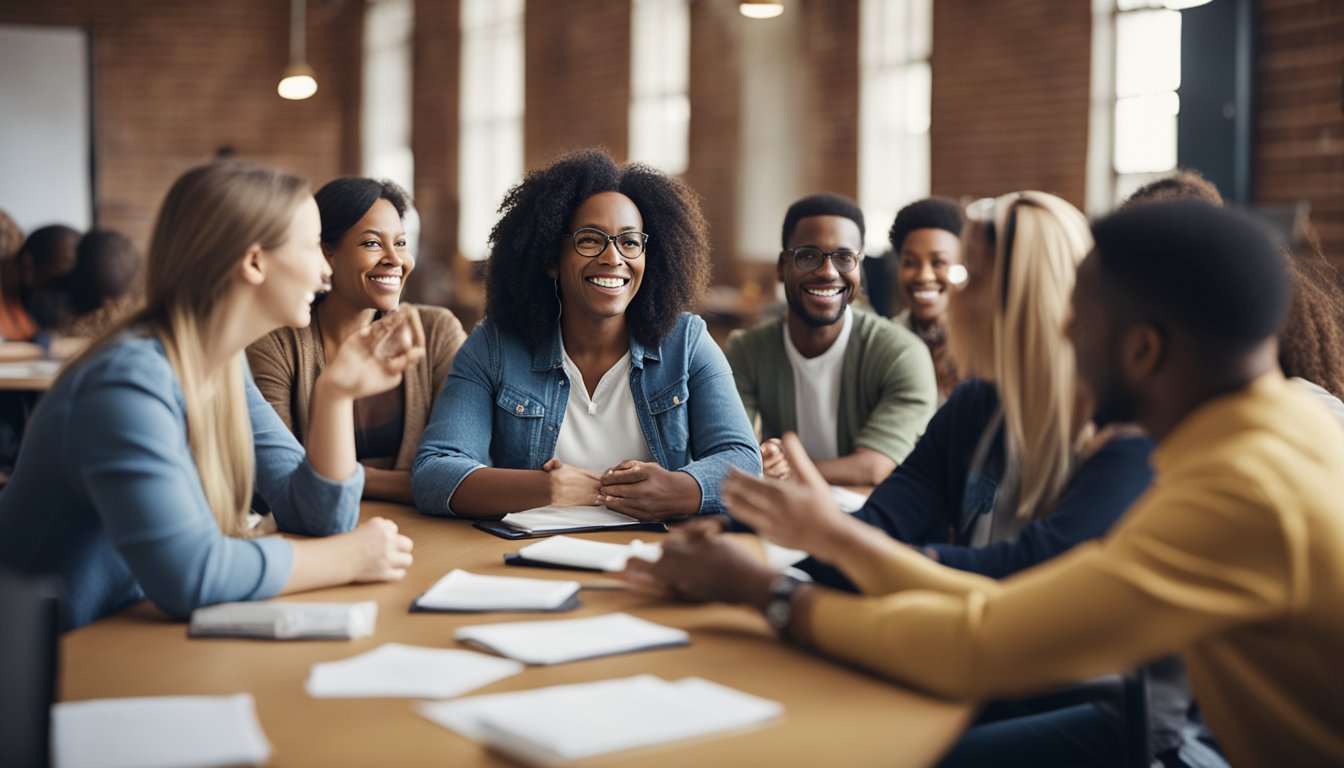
[(285, 620), (394, 669), (558, 641), (154, 731), (547, 521), (582, 554), (550, 726), (464, 591)]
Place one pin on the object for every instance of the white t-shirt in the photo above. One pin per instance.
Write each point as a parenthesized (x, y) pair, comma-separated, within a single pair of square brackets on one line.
[(600, 432), (816, 393)]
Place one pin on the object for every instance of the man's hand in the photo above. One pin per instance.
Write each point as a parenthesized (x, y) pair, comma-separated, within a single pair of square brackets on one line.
[(699, 564), (772, 457)]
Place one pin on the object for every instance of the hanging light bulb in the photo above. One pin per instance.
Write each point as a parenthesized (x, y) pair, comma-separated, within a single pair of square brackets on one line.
[(760, 9), (298, 81)]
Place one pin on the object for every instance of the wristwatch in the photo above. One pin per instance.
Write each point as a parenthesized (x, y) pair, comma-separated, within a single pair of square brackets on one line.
[(779, 611)]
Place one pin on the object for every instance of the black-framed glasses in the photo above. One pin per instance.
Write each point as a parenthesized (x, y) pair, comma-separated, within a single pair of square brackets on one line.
[(808, 258), (590, 242)]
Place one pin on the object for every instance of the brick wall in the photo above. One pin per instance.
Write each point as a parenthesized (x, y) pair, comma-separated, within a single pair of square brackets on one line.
[(176, 81), (831, 115), (577, 78), (434, 136), (1300, 112), (1010, 97), (715, 91)]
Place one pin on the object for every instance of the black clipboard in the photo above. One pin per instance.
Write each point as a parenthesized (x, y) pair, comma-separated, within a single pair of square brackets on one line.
[(503, 531), (513, 558)]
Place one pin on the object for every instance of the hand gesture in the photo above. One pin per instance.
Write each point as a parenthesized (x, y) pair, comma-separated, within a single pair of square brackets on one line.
[(772, 456), (381, 554), (373, 360), (699, 564), (571, 486), (797, 513), (646, 491)]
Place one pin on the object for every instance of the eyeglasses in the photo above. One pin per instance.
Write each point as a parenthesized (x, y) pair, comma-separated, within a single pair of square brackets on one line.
[(590, 242), (808, 258)]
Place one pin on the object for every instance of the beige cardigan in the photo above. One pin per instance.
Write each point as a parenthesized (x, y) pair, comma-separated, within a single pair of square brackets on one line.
[(285, 364)]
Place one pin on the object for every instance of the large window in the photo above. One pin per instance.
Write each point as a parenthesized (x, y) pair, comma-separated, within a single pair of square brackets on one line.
[(660, 66), (895, 45), (1135, 104), (385, 117), (491, 141)]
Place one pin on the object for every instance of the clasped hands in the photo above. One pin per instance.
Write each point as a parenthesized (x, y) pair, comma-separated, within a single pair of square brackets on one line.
[(643, 490)]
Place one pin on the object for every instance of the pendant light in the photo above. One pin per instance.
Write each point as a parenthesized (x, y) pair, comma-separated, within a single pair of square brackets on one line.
[(760, 9), (298, 82)]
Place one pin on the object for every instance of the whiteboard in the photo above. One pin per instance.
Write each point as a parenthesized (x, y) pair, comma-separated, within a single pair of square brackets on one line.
[(45, 145)]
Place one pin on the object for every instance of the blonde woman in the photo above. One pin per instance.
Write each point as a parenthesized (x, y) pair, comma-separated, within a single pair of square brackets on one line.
[(140, 465)]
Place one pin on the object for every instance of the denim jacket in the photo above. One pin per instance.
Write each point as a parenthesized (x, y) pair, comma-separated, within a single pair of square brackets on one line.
[(504, 402)]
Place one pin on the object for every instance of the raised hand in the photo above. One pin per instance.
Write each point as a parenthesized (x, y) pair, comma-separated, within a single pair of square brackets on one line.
[(799, 513), (373, 360)]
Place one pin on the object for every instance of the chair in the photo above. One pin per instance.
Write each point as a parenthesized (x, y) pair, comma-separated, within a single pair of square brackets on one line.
[(30, 618)]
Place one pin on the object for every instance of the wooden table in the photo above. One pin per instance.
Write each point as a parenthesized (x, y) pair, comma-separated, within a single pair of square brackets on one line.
[(834, 715)]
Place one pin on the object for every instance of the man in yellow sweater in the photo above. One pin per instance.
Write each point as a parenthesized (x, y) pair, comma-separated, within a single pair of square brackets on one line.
[(1234, 557)]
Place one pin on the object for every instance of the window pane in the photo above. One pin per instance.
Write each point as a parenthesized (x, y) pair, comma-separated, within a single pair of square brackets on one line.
[(1147, 52), (660, 74), (490, 149), (1145, 133), (386, 96)]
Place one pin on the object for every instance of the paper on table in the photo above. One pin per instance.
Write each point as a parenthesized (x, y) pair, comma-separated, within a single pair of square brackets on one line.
[(557, 641), (153, 731), (568, 722), (285, 620), (464, 591), (582, 553), (560, 518), (848, 500), (394, 669)]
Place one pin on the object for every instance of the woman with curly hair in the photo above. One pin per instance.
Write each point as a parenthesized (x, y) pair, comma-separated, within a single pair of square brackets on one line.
[(588, 383)]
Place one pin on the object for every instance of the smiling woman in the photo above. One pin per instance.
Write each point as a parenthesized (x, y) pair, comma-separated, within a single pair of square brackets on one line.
[(588, 383), (364, 242)]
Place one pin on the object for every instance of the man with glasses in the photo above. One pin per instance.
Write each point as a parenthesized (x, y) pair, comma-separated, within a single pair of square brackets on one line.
[(857, 388)]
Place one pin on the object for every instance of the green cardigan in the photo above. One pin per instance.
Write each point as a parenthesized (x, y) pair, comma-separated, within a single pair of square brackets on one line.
[(888, 390)]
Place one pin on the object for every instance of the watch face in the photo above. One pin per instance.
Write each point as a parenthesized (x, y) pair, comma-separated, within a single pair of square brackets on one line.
[(778, 613)]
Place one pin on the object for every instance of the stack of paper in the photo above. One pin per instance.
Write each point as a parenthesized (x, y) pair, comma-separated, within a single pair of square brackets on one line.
[(285, 621), (572, 552), (407, 670), (554, 642), (544, 519), (570, 722), (169, 731), (463, 591)]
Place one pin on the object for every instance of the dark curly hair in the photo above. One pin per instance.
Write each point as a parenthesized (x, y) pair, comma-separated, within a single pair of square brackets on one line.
[(929, 213), (820, 204), (521, 296), (1311, 344), (1181, 184)]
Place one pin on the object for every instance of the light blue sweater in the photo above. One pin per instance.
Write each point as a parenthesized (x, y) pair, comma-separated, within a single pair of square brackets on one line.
[(106, 496)]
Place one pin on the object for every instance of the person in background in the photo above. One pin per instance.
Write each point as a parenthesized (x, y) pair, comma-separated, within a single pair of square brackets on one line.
[(926, 238), (15, 322), (45, 262), (856, 388), (364, 242), (1234, 558), (1311, 343), (588, 382), (138, 471), (106, 283)]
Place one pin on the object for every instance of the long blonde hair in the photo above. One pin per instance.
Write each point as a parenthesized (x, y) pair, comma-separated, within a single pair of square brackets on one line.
[(1039, 242), (210, 217)]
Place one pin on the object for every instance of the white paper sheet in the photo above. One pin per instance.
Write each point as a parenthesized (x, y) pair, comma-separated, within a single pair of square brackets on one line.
[(395, 669), (464, 591), (848, 500), (583, 553), (154, 731), (559, 518), (557, 641), (548, 726), (285, 620)]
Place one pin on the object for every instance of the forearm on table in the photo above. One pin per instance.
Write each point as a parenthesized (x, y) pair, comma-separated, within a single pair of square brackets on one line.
[(319, 563), (878, 564), (388, 485), (491, 492), (862, 467)]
